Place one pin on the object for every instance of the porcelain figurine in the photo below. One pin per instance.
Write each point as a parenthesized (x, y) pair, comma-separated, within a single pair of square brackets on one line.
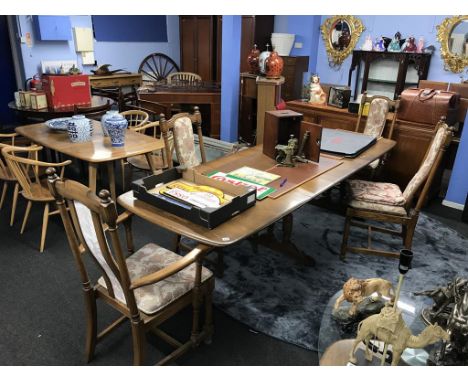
[(420, 46), (410, 45), (117, 125), (274, 65), (316, 93), (253, 60), (395, 44), (261, 59), (367, 44), (105, 117), (79, 129), (379, 45)]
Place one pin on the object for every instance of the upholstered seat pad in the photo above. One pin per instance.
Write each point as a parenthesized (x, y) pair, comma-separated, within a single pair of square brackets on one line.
[(392, 210), (152, 258), (376, 192)]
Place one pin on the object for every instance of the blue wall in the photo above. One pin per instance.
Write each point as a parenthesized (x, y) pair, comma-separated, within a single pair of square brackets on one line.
[(122, 55), (376, 26), (458, 186), (230, 77), (307, 31)]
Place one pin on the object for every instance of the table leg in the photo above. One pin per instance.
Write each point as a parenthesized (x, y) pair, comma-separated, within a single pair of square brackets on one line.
[(92, 174), (286, 246), (111, 175)]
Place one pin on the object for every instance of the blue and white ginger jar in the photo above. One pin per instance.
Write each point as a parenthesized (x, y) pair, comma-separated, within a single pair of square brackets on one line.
[(79, 129), (105, 117), (116, 125)]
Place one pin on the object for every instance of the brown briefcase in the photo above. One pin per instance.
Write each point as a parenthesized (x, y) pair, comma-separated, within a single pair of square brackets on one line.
[(428, 106)]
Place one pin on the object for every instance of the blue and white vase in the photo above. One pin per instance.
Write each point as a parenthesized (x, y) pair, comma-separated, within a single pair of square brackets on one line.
[(116, 125), (105, 117), (79, 129)]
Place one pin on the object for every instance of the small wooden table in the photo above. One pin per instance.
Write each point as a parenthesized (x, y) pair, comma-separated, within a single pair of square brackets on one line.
[(98, 150), (266, 211), (115, 80), (49, 113)]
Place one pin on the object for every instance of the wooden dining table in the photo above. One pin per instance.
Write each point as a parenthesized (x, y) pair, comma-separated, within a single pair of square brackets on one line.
[(96, 151), (266, 211)]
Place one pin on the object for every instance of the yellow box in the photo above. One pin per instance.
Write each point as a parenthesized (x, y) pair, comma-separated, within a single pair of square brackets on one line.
[(38, 101), (25, 99)]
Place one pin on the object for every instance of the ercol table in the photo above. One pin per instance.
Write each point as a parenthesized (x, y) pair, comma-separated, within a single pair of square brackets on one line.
[(266, 211), (203, 93), (97, 151), (49, 113)]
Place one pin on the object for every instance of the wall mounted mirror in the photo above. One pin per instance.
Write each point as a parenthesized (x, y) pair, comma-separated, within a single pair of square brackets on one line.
[(453, 37), (340, 35)]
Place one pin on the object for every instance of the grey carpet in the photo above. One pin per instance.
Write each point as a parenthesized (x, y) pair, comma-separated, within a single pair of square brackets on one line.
[(274, 295)]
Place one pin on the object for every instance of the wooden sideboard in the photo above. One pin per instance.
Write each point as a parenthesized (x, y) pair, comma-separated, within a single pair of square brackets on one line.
[(412, 139)]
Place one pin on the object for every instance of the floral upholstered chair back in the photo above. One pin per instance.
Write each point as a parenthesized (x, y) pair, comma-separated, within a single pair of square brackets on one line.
[(376, 117), (439, 142), (184, 143)]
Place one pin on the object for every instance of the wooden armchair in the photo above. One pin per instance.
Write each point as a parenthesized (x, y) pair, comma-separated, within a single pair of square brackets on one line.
[(183, 78), (147, 288), (27, 170), (384, 202)]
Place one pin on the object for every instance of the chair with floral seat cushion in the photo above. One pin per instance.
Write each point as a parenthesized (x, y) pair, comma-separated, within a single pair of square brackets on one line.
[(147, 287), (384, 202), (379, 108)]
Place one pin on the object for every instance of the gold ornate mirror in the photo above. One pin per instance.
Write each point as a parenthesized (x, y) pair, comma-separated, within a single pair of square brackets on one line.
[(453, 37), (340, 35)]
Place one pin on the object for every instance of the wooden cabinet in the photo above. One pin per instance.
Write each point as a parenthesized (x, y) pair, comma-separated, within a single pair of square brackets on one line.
[(387, 73), (404, 160), (293, 72), (200, 38), (255, 30)]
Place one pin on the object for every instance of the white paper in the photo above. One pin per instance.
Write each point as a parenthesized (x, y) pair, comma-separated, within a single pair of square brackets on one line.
[(83, 39), (87, 58)]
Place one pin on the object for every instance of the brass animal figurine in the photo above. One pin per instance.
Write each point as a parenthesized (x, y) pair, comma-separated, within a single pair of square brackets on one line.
[(389, 326), (103, 70), (285, 156), (356, 290)]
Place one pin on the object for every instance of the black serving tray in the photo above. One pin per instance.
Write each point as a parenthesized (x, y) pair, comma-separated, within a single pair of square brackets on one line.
[(206, 217)]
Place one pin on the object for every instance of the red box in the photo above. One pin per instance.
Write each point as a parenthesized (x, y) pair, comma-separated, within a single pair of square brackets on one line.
[(67, 90)]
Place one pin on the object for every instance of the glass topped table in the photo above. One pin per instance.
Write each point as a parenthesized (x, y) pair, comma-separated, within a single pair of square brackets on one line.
[(336, 338)]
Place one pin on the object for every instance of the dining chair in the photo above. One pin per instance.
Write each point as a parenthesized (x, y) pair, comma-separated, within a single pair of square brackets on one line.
[(146, 288), (384, 202), (379, 109), (28, 170), (135, 118), (8, 140), (183, 78)]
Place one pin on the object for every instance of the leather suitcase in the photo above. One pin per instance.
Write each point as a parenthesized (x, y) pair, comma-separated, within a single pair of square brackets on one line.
[(428, 106)]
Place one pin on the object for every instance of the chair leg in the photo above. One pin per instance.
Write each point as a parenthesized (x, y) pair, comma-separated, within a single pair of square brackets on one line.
[(344, 243), (138, 339), (4, 190), (129, 235), (196, 308), (26, 216), (177, 240), (409, 233), (13, 206), (122, 169), (45, 222), (91, 322)]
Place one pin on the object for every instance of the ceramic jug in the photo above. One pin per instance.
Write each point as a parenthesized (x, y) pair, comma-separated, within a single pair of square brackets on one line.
[(261, 59), (106, 116), (116, 126), (253, 60), (79, 129), (274, 65)]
